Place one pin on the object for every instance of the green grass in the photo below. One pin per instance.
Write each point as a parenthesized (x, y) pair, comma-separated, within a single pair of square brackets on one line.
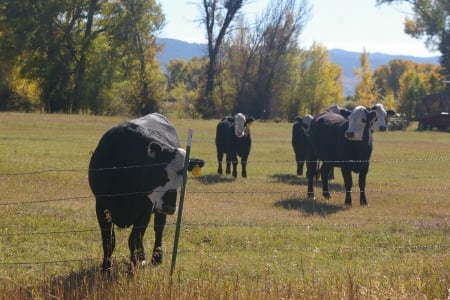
[(254, 238)]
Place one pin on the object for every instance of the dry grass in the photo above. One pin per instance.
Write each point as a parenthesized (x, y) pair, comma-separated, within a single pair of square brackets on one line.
[(254, 238)]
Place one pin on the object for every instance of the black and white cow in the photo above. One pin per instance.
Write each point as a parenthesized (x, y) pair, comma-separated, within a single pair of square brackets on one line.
[(380, 122), (135, 171), (383, 117), (233, 138), (300, 132), (341, 142)]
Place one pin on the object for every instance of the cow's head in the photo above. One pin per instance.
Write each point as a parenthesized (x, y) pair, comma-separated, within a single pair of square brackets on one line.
[(359, 123), (169, 164), (306, 123), (241, 124), (382, 118), (339, 110)]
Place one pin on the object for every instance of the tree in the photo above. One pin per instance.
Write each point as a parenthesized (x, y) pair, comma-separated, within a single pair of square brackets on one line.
[(258, 60), (77, 51), (184, 84), (412, 88), (365, 91), (132, 29), (403, 82), (319, 84), (431, 21), (278, 28), (217, 18)]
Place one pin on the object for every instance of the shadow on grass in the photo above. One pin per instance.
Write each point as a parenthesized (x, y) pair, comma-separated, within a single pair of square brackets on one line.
[(90, 280), (310, 207), (289, 179), (302, 180), (214, 178)]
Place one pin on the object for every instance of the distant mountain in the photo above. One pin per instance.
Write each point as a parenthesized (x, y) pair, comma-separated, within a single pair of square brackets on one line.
[(176, 49), (349, 61)]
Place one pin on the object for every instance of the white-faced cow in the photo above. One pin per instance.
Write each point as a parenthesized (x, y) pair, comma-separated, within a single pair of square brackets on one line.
[(341, 142), (300, 132), (379, 124), (383, 116), (135, 171), (233, 139)]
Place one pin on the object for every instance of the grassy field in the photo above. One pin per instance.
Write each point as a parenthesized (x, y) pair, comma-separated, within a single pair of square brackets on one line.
[(254, 238)]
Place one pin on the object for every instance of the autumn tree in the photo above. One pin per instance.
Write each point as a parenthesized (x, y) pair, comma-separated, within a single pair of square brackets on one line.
[(185, 84), (365, 91), (77, 51), (131, 28), (431, 21), (405, 82)]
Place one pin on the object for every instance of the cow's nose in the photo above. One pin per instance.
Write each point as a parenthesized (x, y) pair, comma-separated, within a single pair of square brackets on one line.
[(382, 128), (169, 202), (349, 134)]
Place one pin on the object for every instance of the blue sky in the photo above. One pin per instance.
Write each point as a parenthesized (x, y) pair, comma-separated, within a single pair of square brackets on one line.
[(351, 25)]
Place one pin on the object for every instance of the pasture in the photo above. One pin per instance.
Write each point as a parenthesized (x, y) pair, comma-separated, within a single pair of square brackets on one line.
[(253, 238)]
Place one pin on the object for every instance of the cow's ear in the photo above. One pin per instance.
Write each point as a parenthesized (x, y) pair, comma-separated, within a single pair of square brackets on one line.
[(372, 115), (154, 149), (249, 120), (345, 112), (390, 112)]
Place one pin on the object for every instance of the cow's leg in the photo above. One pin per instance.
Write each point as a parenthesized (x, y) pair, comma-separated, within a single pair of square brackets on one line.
[(135, 244), (244, 165), (233, 160), (324, 172), (311, 169), (159, 224), (108, 236), (348, 183), (362, 186), (228, 163), (300, 160), (219, 160)]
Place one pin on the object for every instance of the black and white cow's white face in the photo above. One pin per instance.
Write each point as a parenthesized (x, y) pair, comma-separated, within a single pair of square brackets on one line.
[(359, 122), (239, 125), (380, 122), (164, 197), (306, 122)]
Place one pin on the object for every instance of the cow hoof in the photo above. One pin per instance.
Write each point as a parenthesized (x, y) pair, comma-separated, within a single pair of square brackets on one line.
[(157, 256), (106, 266), (327, 195), (363, 203), (311, 196), (348, 203)]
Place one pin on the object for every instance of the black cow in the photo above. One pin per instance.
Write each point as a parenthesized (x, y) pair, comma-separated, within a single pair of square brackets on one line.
[(135, 171), (300, 132), (344, 143), (233, 139)]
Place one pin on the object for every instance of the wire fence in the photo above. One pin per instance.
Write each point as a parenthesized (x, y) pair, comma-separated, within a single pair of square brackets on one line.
[(444, 222)]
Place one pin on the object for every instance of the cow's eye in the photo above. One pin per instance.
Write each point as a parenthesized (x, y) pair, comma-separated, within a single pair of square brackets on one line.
[(180, 172), (363, 120)]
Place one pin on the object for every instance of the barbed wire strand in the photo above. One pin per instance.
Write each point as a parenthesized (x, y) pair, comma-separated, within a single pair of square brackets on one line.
[(411, 190), (407, 249), (397, 160)]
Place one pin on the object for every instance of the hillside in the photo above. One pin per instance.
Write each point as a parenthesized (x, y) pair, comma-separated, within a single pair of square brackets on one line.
[(349, 61)]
